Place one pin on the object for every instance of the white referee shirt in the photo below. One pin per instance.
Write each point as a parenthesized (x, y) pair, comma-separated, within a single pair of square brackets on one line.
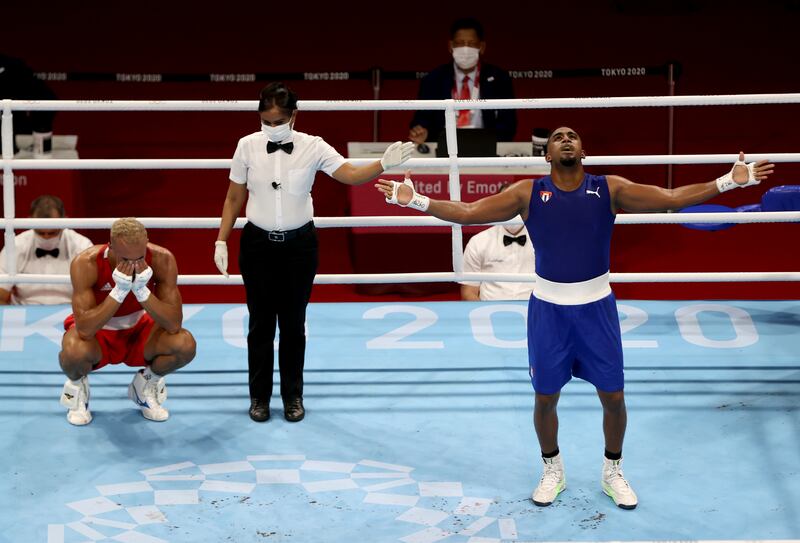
[(485, 252), (289, 206), (69, 246)]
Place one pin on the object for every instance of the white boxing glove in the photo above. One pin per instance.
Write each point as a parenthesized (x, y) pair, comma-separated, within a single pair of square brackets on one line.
[(140, 281), (396, 154), (726, 182), (418, 201), (122, 285), (221, 257)]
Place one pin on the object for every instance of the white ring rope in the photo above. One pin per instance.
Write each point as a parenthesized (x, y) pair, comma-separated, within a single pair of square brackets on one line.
[(389, 105), (413, 163), (389, 221), (445, 277), (8, 163)]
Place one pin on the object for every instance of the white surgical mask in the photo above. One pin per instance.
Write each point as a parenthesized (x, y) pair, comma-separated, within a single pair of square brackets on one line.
[(277, 133), (48, 244), (466, 57)]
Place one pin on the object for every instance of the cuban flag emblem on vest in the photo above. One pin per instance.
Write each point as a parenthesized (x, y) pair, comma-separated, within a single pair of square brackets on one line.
[(545, 195)]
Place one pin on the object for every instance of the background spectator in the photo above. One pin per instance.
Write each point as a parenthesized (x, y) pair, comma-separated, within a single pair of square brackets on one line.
[(499, 249), (43, 251), (467, 77)]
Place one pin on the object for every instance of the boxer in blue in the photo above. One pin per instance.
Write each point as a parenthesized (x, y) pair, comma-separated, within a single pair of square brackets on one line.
[(573, 325)]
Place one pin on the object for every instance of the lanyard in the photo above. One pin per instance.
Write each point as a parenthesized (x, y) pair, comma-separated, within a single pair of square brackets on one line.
[(476, 78)]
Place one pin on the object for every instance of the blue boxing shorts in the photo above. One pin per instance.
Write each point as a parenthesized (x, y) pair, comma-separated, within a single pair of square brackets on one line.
[(581, 340)]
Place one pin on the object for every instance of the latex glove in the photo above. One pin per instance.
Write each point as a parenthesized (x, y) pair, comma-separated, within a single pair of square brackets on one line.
[(122, 285), (396, 154), (140, 281), (221, 257)]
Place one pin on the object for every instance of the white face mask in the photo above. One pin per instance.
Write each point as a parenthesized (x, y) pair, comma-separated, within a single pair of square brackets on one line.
[(48, 244), (466, 57), (277, 133)]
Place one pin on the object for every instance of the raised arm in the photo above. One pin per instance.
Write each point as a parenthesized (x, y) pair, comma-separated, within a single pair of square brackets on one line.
[(502, 206), (357, 175), (638, 198), (394, 156), (635, 197), (165, 304), (89, 317)]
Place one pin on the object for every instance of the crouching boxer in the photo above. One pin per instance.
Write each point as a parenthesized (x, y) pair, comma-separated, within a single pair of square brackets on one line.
[(126, 309)]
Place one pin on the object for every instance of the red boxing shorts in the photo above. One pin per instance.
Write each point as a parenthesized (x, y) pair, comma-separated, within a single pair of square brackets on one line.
[(121, 346)]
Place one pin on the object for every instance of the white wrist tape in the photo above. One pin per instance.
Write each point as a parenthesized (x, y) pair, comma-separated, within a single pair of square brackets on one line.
[(726, 182), (118, 294), (122, 285), (419, 202), (142, 294), (140, 280), (395, 189)]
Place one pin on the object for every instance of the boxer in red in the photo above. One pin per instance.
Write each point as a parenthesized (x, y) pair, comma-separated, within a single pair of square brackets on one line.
[(117, 318)]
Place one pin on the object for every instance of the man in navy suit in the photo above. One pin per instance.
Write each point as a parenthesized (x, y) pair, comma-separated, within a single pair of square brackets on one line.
[(465, 78)]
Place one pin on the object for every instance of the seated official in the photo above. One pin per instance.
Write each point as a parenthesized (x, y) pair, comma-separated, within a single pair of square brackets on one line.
[(467, 77), (499, 249), (47, 251)]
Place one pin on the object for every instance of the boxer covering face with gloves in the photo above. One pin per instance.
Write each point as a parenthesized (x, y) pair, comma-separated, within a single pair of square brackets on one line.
[(126, 309)]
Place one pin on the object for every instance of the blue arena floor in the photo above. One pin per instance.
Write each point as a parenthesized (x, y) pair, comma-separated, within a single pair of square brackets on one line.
[(418, 429)]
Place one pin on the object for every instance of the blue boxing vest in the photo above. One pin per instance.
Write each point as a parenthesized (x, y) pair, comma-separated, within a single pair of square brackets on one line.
[(571, 231)]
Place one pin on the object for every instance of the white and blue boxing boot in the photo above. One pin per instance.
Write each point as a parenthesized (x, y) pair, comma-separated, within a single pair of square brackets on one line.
[(148, 390), (75, 397)]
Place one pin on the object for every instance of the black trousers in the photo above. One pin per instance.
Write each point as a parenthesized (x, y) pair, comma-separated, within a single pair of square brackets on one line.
[(278, 276)]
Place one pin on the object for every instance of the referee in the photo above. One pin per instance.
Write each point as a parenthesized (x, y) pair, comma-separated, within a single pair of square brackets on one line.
[(274, 169)]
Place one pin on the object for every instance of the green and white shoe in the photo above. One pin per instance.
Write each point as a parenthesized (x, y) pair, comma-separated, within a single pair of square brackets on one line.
[(616, 486), (552, 483)]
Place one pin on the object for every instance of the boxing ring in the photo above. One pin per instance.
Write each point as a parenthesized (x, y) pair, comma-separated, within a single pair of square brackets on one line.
[(419, 414)]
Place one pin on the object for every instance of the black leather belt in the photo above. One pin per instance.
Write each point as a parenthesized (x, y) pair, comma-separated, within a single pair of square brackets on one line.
[(286, 235)]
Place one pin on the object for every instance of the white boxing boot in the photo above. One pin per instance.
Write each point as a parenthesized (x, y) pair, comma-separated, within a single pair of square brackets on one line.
[(75, 397), (616, 486), (552, 483), (148, 390)]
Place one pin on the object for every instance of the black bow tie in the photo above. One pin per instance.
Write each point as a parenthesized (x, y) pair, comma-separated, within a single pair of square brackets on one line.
[(287, 147), (508, 240), (42, 252)]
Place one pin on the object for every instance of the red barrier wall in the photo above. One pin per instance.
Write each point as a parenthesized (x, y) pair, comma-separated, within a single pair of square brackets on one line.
[(720, 51)]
